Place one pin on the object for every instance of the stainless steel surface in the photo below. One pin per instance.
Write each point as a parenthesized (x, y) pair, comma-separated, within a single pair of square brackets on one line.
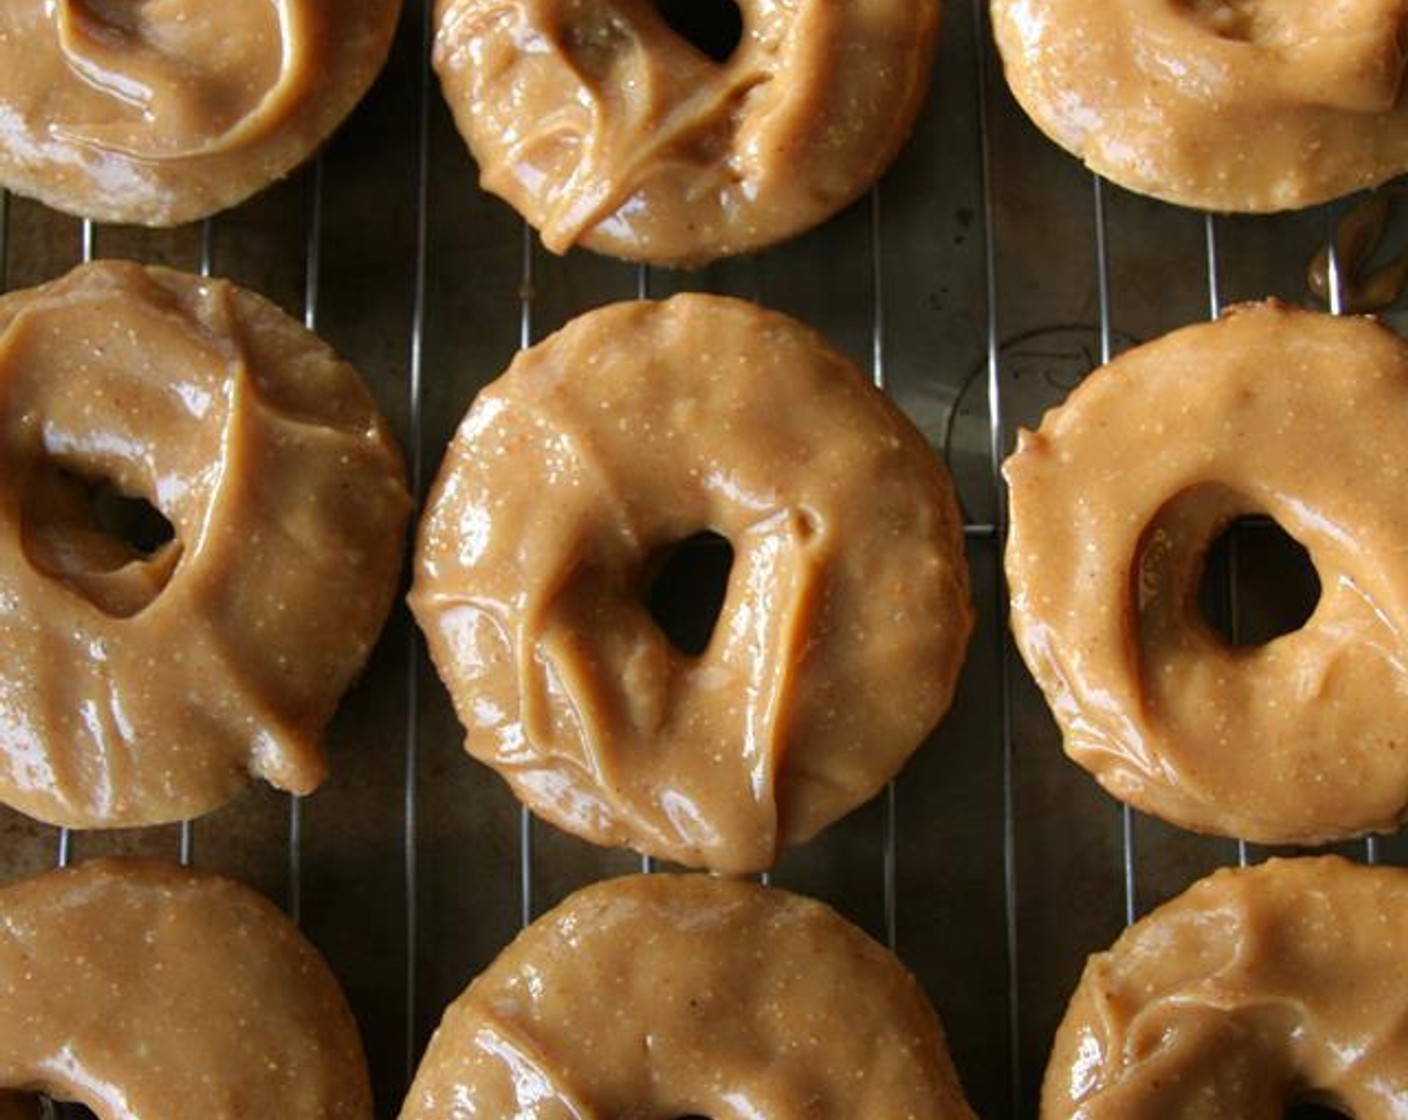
[(988, 276)]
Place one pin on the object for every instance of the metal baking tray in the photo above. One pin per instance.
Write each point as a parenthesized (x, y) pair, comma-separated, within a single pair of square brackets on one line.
[(984, 277)]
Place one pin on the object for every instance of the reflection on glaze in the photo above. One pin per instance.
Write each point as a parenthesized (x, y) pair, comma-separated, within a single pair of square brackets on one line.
[(194, 81), (666, 996), (144, 991), (605, 128), (1229, 105), (845, 618), (141, 688), (1114, 503), (160, 111), (1257, 989)]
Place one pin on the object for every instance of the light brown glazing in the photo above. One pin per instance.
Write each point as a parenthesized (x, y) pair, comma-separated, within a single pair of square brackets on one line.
[(1240, 105), (1256, 989), (137, 688), (846, 613), (606, 129), (668, 996), (162, 111), (147, 991), (1114, 501)]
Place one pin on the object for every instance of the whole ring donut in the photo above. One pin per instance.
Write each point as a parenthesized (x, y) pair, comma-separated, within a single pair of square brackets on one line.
[(141, 685), (1257, 989), (165, 111), (1218, 104), (665, 995), (846, 613), (605, 128), (146, 990), (1114, 502)]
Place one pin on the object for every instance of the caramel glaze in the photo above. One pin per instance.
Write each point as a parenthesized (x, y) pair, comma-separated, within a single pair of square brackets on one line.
[(163, 111), (1362, 286), (666, 996), (1114, 501), (606, 129), (1241, 105), (1257, 989), (146, 991), (137, 688), (846, 614)]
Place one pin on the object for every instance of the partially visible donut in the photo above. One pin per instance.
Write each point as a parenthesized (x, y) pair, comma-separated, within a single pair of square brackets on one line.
[(1257, 989), (139, 687), (606, 129), (845, 618), (165, 111), (1244, 105), (147, 991), (669, 996), (1115, 499)]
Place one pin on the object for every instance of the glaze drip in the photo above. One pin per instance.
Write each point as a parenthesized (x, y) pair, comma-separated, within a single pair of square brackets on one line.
[(184, 78), (146, 688), (1257, 989), (616, 438), (608, 129)]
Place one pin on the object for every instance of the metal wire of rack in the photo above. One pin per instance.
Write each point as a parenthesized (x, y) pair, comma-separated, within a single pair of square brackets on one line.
[(442, 938)]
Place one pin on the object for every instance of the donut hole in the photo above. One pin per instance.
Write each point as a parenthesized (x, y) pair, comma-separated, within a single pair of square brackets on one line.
[(1269, 590), (133, 521), (1307, 1111), (712, 27), (15, 1105), (114, 548), (50, 1108), (685, 589)]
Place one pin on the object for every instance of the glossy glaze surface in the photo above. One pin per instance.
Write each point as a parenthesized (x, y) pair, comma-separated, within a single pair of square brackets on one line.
[(163, 111), (667, 995), (1254, 990), (1115, 500), (144, 990), (605, 128), (845, 618), (138, 687), (1234, 105)]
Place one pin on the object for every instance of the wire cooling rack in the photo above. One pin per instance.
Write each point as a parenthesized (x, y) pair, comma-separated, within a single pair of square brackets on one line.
[(978, 284)]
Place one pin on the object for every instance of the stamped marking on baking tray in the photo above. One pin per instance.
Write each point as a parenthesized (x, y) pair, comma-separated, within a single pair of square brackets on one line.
[(1039, 368)]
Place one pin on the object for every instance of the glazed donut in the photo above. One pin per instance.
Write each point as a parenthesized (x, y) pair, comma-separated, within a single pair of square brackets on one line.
[(164, 111), (140, 686), (686, 995), (845, 618), (605, 128), (1257, 989), (1242, 105), (144, 990), (1114, 501)]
